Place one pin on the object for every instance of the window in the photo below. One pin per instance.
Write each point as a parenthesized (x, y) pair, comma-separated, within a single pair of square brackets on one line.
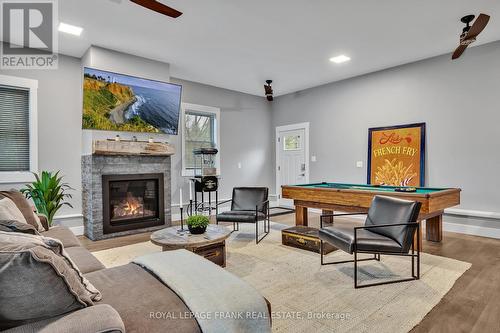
[(200, 129), (18, 151), (292, 142), (200, 133)]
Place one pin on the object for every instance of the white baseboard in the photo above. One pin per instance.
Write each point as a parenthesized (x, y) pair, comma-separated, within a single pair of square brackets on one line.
[(78, 231), (177, 217), (67, 217), (474, 230), (472, 213)]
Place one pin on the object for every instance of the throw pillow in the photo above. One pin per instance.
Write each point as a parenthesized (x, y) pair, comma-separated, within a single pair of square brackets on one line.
[(25, 207), (9, 211), (50, 284), (15, 226)]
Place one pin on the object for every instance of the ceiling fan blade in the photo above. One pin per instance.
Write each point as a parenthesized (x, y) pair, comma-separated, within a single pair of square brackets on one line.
[(158, 7), (478, 26), (458, 52)]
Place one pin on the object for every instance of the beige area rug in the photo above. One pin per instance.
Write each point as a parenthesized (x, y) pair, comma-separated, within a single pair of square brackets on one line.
[(307, 297)]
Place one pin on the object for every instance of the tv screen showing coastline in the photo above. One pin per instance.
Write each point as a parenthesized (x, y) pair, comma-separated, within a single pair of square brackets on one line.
[(117, 102)]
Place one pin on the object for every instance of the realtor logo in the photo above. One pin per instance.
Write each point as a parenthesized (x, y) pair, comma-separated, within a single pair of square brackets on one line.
[(29, 34)]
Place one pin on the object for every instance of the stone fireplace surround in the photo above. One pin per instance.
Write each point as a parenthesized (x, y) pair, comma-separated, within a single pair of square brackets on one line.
[(95, 166)]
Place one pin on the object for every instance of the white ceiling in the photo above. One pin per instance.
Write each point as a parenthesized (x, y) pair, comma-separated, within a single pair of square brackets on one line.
[(238, 44)]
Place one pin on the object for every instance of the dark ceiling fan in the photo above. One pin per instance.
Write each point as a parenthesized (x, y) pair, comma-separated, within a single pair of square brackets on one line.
[(269, 90), (470, 33), (158, 7)]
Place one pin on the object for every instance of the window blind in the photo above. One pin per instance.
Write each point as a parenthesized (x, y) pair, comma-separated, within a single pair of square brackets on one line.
[(14, 129)]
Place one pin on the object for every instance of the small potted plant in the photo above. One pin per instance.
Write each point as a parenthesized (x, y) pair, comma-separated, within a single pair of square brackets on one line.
[(197, 224)]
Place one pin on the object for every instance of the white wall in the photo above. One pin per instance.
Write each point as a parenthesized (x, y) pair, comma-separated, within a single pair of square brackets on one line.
[(458, 100)]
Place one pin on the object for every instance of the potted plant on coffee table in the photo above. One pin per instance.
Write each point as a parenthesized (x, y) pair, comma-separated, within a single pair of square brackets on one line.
[(197, 224)]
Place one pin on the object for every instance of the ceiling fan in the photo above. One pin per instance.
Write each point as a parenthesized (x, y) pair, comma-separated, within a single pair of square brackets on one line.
[(158, 7), (269, 90), (470, 33)]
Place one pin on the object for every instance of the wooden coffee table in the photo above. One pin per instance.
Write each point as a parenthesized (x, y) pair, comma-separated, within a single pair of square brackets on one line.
[(210, 245)]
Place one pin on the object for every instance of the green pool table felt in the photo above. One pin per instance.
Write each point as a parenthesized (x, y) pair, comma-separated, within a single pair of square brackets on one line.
[(340, 186)]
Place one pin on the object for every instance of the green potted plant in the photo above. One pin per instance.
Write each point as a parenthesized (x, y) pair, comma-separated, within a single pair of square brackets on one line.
[(48, 193), (197, 224)]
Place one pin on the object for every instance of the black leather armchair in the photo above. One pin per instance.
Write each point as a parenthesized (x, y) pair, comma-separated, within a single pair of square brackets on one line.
[(389, 229), (248, 205)]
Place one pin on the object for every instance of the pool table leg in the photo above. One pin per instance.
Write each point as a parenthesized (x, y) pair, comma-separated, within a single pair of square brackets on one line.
[(434, 228), (417, 240), (301, 216), (328, 219)]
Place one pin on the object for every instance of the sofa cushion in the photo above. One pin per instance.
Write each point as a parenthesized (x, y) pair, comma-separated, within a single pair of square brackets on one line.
[(208, 288), (144, 303), (25, 207), (44, 221), (9, 211), (64, 235), (83, 259), (16, 226), (50, 283), (100, 318)]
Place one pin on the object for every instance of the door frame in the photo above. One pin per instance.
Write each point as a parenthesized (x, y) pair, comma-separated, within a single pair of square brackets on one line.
[(291, 127)]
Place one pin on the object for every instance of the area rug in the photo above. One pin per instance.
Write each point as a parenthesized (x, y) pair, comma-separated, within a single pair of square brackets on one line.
[(307, 297)]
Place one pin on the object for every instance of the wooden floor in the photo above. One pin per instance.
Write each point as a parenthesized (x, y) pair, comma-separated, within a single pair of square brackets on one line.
[(472, 305)]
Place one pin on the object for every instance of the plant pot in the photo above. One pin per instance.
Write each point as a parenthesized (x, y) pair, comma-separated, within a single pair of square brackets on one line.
[(197, 230)]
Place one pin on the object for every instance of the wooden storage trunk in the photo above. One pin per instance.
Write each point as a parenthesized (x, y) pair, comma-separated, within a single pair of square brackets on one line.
[(305, 238), (216, 253)]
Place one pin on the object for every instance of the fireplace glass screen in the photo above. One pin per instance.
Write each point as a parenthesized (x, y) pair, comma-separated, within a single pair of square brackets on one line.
[(133, 200)]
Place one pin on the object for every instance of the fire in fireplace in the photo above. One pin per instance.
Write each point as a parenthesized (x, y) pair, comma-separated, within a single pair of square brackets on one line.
[(132, 202), (130, 207)]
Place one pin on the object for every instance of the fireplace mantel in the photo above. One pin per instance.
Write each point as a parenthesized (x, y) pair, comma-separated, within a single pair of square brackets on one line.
[(131, 148)]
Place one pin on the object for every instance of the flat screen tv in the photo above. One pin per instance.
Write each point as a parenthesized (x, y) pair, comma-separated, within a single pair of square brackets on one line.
[(117, 102)]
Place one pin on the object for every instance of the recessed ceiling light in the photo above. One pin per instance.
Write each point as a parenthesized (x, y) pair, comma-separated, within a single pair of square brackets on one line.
[(340, 59), (70, 29)]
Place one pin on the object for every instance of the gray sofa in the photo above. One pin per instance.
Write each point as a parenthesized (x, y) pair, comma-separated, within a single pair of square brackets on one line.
[(131, 297)]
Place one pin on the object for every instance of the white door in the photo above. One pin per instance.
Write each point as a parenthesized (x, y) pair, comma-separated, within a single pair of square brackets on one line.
[(292, 159)]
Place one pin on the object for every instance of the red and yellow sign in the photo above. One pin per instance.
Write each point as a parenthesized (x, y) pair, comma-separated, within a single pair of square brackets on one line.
[(396, 155)]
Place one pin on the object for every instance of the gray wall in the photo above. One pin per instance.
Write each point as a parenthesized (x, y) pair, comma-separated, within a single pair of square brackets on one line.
[(59, 123), (122, 63), (245, 124), (459, 101), (245, 133)]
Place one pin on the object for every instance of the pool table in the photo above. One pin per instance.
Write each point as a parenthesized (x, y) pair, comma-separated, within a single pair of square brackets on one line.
[(354, 198)]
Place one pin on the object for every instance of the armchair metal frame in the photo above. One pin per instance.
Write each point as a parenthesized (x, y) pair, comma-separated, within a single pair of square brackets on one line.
[(236, 225), (376, 254)]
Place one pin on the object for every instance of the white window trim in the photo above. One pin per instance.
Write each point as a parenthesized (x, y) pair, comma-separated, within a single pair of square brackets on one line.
[(203, 109), (11, 177)]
